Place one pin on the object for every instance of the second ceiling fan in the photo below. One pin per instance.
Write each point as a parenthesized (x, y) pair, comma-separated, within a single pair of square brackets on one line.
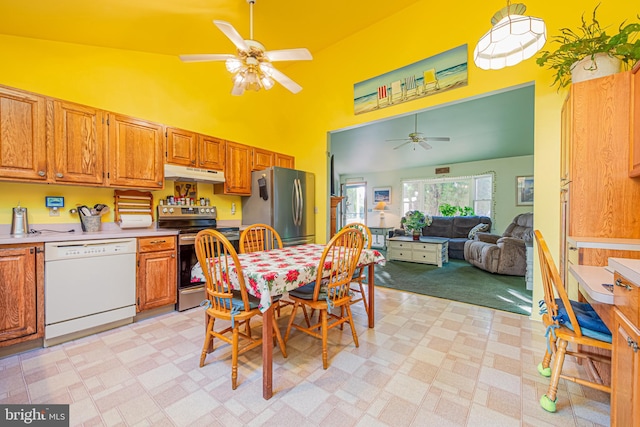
[(251, 65), (416, 138)]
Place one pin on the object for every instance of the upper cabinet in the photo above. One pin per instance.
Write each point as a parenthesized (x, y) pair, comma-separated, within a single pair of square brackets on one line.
[(135, 153), (77, 143), (182, 147), (211, 152), (237, 172), (285, 161), (188, 148), (23, 154), (263, 159), (634, 160)]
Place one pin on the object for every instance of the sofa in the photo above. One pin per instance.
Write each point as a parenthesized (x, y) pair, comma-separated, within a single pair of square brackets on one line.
[(454, 228), (502, 254)]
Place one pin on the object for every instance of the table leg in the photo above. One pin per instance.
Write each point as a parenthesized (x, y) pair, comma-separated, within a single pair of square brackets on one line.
[(372, 295), (267, 353)]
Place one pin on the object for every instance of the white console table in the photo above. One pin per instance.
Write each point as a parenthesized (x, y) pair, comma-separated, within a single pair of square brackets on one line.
[(427, 250)]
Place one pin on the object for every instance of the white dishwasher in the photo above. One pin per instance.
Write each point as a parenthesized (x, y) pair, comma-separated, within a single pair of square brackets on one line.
[(89, 286)]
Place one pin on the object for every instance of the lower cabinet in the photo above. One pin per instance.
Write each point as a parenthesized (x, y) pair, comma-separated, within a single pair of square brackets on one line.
[(625, 392), (157, 278), (402, 249), (21, 293)]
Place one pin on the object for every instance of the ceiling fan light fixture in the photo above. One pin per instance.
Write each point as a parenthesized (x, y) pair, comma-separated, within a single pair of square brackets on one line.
[(233, 65), (513, 38)]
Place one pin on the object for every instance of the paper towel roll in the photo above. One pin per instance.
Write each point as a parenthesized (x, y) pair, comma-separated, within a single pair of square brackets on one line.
[(135, 221)]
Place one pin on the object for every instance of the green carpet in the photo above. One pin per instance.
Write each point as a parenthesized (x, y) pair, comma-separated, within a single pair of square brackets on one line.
[(459, 281)]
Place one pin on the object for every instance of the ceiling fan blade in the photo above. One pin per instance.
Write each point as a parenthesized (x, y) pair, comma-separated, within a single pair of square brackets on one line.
[(399, 139), (206, 57), (232, 34), (238, 89), (402, 145), (300, 54), (285, 81), (425, 145), (438, 138)]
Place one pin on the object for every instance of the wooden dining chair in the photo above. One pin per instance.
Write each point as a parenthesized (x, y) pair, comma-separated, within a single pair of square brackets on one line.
[(358, 275), (259, 237), (330, 289), (220, 265), (262, 237), (567, 322)]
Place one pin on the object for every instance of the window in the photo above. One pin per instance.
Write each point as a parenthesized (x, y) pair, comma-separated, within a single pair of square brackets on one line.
[(355, 202), (427, 195)]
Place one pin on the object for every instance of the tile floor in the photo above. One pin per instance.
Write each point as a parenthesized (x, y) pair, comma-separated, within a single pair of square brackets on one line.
[(428, 362)]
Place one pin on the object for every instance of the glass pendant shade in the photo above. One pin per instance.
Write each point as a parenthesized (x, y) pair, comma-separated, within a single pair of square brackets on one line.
[(233, 65), (512, 39)]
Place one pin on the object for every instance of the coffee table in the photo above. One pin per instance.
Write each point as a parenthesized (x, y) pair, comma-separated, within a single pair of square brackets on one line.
[(427, 250)]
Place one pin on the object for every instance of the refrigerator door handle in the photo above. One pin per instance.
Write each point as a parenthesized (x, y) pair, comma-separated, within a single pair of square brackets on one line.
[(294, 203), (300, 202)]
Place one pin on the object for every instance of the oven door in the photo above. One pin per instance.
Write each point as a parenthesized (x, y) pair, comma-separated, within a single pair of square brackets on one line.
[(190, 294)]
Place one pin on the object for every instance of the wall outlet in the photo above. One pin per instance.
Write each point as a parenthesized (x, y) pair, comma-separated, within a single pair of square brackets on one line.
[(233, 208)]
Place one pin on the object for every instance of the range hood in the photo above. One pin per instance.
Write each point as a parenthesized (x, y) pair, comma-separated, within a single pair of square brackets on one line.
[(187, 173)]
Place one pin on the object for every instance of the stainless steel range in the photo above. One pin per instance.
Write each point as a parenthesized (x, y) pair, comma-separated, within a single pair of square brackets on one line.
[(189, 220)]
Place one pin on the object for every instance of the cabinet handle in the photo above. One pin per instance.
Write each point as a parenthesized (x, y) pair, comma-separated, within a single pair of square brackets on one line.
[(160, 183), (572, 248), (153, 242), (623, 285), (193, 162), (41, 173), (59, 175), (173, 255), (631, 343)]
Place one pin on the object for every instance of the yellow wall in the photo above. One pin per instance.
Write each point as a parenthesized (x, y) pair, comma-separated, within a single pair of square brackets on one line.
[(196, 96)]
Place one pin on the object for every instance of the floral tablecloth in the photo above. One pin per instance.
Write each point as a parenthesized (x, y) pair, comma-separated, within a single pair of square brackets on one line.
[(274, 272)]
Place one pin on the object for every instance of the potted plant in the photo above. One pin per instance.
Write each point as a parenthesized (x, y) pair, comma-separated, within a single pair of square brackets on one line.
[(414, 221), (587, 52)]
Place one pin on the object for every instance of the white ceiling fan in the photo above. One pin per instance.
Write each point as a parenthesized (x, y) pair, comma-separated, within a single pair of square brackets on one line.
[(416, 138), (251, 65)]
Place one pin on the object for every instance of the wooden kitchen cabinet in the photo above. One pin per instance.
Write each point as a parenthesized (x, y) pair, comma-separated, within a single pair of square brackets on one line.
[(262, 159), (211, 152), (285, 161), (625, 361), (157, 282), (22, 136), (77, 143), (135, 153), (597, 195), (21, 293), (237, 171), (182, 147), (634, 155)]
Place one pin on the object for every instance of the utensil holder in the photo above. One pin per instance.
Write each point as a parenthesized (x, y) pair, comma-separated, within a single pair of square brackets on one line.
[(90, 223)]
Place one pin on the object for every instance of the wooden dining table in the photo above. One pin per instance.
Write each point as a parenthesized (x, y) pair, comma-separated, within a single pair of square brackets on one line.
[(268, 274)]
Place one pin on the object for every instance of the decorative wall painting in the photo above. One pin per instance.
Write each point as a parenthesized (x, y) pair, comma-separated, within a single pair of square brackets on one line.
[(438, 73), (524, 191)]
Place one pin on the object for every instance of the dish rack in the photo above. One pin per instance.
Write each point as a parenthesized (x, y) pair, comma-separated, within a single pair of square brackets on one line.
[(132, 202)]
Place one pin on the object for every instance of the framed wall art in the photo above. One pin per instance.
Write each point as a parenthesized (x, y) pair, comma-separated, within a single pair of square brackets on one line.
[(381, 194), (524, 190)]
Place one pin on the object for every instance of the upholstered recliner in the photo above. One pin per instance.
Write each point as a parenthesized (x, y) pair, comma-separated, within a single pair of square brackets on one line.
[(504, 254)]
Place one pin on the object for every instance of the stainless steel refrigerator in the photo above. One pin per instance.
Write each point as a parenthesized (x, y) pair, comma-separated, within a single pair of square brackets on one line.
[(284, 199)]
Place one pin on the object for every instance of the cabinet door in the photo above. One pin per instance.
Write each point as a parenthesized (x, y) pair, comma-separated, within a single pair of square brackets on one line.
[(78, 145), (237, 169), (157, 280), (135, 153), (18, 302), (285, 161), (181, 147), (210, 152), (23, 154), (634, 162), (262, 159), (625, 366)]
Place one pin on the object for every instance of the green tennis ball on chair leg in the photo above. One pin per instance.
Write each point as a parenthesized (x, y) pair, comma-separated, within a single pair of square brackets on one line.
[(548, 404), (545, 372)]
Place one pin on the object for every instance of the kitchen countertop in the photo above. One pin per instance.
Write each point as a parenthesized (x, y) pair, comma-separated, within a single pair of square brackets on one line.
[(61, 233), (629, 268), (605, 243)]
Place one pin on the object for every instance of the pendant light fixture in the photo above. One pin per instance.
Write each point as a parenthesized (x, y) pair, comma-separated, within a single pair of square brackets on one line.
[(512, 39)]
